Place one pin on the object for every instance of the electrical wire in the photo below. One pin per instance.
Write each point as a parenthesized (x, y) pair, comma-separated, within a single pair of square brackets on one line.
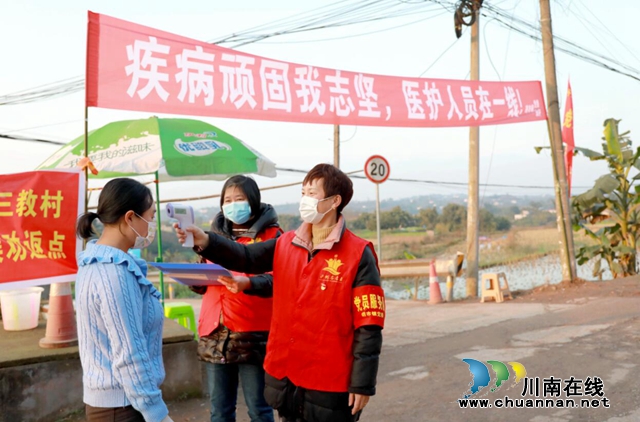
[(343, 13), (403, 25), (291, 170), (440, 56), (504, 69), (336, 14), (532, 31), (22, 138), (435, 182), (41, 126), (606, 28)]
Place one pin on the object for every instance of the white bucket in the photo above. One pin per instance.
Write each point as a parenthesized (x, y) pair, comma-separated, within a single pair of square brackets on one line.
[(20, 308)]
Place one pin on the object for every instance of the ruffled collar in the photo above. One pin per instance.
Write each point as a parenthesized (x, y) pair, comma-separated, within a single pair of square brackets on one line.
[(108, 254)]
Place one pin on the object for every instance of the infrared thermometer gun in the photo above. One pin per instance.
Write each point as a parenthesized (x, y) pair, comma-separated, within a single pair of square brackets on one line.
[(185, 216)]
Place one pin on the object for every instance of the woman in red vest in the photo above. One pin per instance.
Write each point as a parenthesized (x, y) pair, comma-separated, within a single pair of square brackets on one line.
[(234, 328), (328, 305)]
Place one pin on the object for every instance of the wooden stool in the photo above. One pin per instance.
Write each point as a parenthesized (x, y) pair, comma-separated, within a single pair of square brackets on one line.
[(491, 288), (504, 286)]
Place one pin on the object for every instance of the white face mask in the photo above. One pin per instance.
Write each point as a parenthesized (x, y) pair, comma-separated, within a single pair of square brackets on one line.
[(144, 241), (309, 209)]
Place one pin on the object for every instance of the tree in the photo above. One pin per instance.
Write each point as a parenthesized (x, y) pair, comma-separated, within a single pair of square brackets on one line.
[(400, 218), (535, 205), (453, 217), (361, 222), (394, 219), (428, 218), (609, 212), (503, 224), (289, 222), (487, 221)]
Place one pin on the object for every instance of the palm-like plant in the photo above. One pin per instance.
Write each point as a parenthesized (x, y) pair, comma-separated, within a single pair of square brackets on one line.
[(609, 213)]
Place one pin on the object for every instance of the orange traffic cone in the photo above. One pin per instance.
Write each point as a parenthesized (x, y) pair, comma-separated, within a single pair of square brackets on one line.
[(434, 286), (61, 320)]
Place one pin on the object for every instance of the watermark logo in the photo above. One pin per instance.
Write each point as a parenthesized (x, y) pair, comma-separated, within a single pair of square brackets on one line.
[(535, 393), (481, 377)]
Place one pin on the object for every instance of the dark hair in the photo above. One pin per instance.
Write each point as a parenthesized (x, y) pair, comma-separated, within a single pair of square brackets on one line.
[(250, 189), (117, 197), (334, 182)]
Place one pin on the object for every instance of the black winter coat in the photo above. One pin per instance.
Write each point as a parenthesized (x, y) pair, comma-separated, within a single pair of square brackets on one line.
[(224, 345)]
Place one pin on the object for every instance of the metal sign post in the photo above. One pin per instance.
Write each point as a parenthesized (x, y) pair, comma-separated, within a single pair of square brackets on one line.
[(378, 221), (377, 170)]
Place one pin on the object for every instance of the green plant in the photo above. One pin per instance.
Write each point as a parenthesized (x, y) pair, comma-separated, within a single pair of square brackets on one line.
[(608, 212)]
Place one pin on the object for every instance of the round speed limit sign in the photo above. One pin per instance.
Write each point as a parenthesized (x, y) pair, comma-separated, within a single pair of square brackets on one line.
[(377, 169)]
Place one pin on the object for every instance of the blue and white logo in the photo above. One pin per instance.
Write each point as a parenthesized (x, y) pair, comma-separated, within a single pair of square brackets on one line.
[(200, 148)]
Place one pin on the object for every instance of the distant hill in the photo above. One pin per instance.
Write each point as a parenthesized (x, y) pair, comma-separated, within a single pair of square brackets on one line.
[(414, 204)]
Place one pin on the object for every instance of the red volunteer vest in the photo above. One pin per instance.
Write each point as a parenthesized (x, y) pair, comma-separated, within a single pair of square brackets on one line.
[(315, 313), (240, 312)]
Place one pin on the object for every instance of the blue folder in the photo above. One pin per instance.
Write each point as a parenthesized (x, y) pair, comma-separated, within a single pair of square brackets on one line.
[(193, 274)]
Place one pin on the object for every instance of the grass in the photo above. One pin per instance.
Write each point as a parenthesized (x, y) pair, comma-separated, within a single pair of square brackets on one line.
[(497, 249), (518, 245)]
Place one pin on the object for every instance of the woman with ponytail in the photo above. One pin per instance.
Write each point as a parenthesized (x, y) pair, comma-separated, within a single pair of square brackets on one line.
[(118, 310)]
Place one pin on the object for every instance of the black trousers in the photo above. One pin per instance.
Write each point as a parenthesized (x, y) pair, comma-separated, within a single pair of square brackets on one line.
[(113, 414), (298, 404)]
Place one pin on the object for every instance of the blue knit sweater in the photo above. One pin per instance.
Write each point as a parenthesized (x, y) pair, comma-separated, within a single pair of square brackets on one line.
[(119, 332)]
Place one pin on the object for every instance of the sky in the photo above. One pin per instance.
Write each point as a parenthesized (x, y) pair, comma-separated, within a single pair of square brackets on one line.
[(45, 41)]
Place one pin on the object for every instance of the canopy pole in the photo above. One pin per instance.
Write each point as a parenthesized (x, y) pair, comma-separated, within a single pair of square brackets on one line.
[(86, 154), (159, 236)]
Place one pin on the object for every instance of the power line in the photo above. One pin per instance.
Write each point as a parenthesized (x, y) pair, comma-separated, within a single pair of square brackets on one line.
[(292, 170), (561, 44), (438, 182), (343, 13), (41, 126), (494, 185), (504, 69), (334, 15), (439, 57), (22, 138), (357, 35)]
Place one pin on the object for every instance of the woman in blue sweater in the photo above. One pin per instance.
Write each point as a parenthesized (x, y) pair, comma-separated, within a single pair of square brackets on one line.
[(118, 310)]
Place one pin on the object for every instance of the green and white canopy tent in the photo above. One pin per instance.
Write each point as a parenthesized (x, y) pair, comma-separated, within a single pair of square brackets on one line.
[(171, 149)]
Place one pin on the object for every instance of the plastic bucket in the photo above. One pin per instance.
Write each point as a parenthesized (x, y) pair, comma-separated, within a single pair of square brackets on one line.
[(20, 308)]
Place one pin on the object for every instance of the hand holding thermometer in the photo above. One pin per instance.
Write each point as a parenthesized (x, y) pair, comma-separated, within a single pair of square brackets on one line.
[(185, 216)]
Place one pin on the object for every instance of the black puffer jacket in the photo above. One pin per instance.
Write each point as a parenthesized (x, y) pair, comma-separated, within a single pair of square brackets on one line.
[(224, 345)]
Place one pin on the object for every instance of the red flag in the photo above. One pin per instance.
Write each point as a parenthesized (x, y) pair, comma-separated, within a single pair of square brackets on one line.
[(567, 135)]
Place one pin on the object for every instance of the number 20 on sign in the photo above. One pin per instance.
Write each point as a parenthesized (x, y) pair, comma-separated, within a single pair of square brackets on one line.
[(377, 169)]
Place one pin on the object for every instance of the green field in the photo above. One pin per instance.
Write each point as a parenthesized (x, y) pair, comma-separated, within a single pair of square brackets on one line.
[(496, 249)]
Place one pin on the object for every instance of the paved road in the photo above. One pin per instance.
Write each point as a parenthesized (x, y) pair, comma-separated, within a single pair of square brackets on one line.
[(422, 374)]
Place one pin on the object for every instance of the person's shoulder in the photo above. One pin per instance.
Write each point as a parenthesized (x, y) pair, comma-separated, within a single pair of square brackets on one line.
[(354, 237), (109, 256), (270, 233), (287, 235), (102, 254)]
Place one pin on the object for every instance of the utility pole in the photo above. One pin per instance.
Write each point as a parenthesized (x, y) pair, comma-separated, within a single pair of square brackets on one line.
[(563, 210), (336, 145), (473, 223)]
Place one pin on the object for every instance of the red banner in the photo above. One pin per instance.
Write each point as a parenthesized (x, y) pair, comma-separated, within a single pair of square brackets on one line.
[(567, 136), (133, 67), (38, 213)]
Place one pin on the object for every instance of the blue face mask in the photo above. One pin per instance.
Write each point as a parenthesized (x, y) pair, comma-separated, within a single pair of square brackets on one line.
[(237, 212)]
